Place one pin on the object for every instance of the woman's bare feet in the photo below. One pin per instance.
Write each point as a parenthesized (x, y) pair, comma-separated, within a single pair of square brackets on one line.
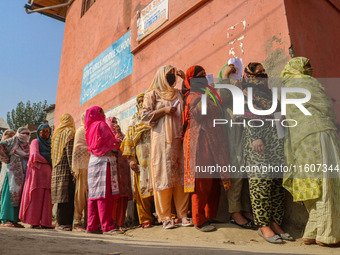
[(276, 228), (248, 215), (267, 231)]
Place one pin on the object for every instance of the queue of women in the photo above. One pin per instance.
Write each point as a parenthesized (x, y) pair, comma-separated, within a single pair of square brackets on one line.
[(87, 172)]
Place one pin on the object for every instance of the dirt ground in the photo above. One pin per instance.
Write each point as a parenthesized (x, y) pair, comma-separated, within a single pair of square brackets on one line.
[(228, 239)]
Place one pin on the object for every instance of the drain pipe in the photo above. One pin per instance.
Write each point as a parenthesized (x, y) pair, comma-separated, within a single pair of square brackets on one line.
[(49, 7)]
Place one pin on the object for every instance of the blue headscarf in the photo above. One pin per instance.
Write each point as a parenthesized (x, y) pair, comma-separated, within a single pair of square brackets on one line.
[(44, 145)]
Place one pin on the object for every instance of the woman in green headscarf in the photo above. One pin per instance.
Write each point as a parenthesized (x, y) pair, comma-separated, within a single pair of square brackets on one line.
[(313, 144)]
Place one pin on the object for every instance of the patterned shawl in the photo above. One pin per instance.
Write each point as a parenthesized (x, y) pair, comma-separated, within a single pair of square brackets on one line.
[(118, 137), (135, 130), (81, 155), (15, 152), (62, 135), (322, 119), (262, 94)]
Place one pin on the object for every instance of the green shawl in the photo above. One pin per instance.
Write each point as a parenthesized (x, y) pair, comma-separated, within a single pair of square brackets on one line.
[(302, 143)]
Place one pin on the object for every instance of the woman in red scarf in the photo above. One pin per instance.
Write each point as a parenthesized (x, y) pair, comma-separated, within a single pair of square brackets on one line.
[(204, 145), (102, 171)]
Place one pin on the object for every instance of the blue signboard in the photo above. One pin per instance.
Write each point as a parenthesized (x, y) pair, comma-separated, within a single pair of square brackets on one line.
[(111, 66)]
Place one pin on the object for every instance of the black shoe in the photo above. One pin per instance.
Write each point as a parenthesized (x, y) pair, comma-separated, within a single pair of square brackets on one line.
[(248, 225), (206, 227)]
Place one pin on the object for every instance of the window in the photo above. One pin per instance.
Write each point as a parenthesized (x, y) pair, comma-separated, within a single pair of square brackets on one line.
[(86, 6)]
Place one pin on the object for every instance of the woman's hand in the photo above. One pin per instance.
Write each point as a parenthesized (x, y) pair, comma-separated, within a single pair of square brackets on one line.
[(134, 165), (170, 109), (258, 146), (181, 74), (228, 71)]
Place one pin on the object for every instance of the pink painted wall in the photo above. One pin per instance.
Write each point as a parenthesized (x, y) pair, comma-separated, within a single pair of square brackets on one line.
[(201, 37)]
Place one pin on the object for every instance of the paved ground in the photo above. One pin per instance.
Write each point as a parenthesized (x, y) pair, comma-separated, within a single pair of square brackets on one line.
[(229, 239)]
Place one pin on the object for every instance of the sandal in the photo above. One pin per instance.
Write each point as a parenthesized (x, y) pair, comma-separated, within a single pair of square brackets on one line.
[(147, 224), (113, 232), (248, 225), (276, 239), (186, 223), (8, 224), (328, 244), (17, 225), (78, 229), (35, 227), (286, 237), (64, 228), (168, 224), (309, 241), (206, 227), (97, 232)]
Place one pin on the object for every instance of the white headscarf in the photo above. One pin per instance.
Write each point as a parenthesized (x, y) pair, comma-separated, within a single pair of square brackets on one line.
[(237, 62)]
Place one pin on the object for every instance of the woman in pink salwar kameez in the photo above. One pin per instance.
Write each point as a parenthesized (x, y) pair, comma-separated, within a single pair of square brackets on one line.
[(36, 204), (102, 172)]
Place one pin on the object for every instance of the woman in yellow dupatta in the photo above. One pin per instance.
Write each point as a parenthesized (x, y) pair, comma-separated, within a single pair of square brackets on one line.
[(62, 186), (313, 144), (136, 148)]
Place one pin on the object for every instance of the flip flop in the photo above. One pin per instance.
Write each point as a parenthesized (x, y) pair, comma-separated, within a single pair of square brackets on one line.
[(309, 241), (328, 244), (187, 224), (8, 225), (147, 224), (64, 228)]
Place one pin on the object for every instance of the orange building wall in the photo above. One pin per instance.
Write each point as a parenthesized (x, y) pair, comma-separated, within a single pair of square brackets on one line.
[(208, 35), (314, 31)]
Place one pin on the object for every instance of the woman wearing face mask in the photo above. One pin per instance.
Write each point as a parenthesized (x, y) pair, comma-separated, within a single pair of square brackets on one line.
[(124, 177), (312, 142), (166, 145), (36, 203), (102, 172), (7, 134), (262, 147), (14, 152), (62, 186), (238, 194), (204, 145)]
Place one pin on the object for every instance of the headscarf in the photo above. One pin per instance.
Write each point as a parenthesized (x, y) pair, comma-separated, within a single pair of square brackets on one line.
[(193, 90), (161, 85), (237, 62), (118, 137), (323, 115), (295, 69), (135, 130), (44, 145), (140, 95), (190, 94), (80, 155), (262, 94), (62, 135), (166, 92), (99, 136), (18, 144), (7, 131)]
